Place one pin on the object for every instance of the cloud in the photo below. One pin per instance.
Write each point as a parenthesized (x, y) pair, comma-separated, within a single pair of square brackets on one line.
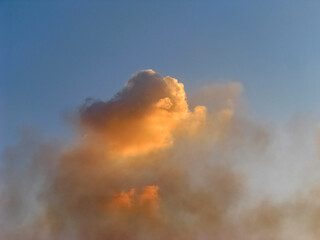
[(149, 167)]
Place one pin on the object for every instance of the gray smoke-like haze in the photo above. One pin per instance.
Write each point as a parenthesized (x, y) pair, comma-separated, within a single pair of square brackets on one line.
[(147, 166)]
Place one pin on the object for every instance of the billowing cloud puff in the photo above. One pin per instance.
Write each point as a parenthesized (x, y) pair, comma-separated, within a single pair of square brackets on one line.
[(143, 116)]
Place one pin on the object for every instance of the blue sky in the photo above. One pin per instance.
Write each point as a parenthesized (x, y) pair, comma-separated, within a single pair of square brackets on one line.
[(54, 54)]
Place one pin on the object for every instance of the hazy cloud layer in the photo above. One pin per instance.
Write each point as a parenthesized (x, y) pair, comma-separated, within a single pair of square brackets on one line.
[(148, 167)]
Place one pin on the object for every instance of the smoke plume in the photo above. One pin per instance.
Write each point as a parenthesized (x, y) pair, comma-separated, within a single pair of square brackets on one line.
[(148, 166)]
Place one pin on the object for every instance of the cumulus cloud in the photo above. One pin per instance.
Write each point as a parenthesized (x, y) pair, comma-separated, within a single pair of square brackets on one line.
[(149, 167)]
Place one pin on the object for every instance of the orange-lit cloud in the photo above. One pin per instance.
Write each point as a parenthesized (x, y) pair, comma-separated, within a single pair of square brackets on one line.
[(142, 117), (147, 166)]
